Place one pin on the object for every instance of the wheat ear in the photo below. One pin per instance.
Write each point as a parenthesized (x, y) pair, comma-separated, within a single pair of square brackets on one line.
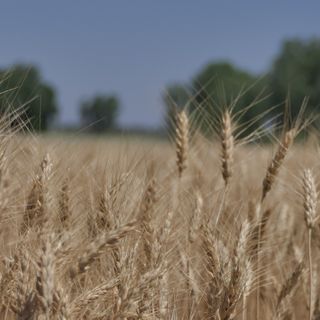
[(45, 279), (81, 302), (95, 249), (277, 161), (227, 147), (310, 198), (38, 198), (289, 284), (182, 140), (64, 204), (147, 204)]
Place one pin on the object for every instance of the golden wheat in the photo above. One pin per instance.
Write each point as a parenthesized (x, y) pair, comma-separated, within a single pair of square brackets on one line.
[(96, 232)]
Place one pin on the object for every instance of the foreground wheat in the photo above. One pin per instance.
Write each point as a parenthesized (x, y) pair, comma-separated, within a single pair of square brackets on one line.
[(105, 230)]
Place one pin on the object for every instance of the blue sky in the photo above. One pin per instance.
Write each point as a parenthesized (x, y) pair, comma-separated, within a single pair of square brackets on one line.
[(135, 48)]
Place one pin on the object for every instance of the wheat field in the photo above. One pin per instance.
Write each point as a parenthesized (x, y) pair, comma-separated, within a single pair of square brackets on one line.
[(195, 228)]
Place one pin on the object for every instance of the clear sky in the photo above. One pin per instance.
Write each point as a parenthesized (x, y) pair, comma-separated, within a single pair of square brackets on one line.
[(135, 48)]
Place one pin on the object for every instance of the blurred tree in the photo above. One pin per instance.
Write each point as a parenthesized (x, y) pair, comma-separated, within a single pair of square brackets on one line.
[(26, 92), (100, 113), (221, 85), (175, 98), (296, 72)]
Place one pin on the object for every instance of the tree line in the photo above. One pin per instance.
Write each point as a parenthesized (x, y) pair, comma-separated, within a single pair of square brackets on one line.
[(256, 99), (30, 101)]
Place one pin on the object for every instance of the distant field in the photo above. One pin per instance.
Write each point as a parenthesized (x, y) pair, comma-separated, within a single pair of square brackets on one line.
[(121, 228)]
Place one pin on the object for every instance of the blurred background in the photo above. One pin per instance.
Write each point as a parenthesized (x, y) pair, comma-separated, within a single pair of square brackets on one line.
[(114, 66)]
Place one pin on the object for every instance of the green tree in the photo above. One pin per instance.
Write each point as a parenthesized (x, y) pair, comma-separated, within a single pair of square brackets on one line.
[(296, 72), (220, 85), (100, 113), (26, 91)]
